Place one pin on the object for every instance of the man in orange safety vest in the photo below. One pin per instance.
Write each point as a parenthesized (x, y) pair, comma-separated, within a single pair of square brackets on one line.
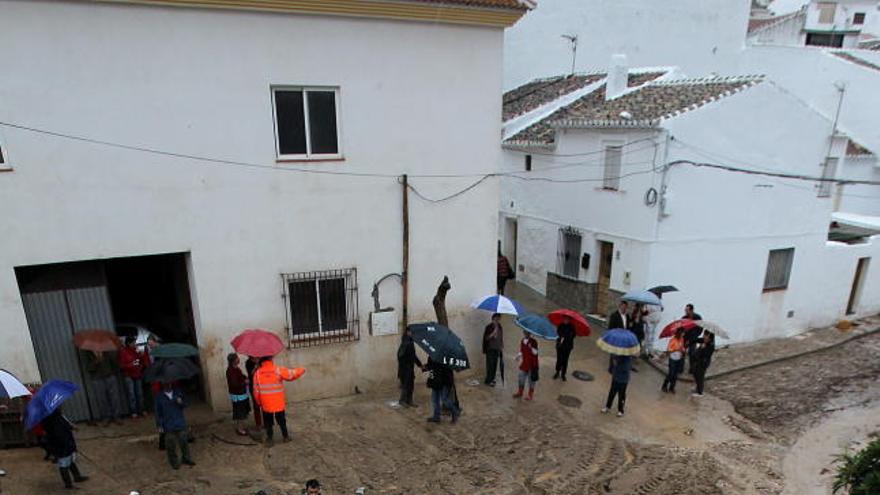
[(269, 394)]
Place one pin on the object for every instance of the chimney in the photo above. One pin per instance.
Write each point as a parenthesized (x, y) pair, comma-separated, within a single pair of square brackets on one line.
[(618, 75)]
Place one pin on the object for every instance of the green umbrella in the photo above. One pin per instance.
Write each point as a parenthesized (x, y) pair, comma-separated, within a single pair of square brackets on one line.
[(174, 350)]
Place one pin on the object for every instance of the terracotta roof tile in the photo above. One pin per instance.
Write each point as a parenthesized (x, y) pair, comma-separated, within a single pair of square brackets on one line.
[(498, 4), (647, 105), (542, 91), (855, 149)]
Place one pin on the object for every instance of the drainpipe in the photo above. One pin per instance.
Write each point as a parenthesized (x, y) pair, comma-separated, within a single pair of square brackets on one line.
[(661, 211), (838, 190), (404, 278)]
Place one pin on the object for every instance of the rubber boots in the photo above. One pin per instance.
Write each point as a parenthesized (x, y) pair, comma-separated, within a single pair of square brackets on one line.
[(531, 394), (518, 393)]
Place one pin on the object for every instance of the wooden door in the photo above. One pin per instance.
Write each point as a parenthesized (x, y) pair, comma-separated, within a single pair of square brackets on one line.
[(606, 257)]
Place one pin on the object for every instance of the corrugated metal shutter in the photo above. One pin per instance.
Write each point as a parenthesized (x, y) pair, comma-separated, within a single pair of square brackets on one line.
[(52, 335)]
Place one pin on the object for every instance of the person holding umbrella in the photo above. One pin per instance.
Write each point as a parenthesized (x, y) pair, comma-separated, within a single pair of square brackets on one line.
[(528, 365), (620, 368), (691, 335), (44, 410), (103, 371), (132, 363), (171, 421), (446, 352), (493, 345), (675, 350), (406, 359), (440, 382), (702, 359), (62, 445), (564, 346)]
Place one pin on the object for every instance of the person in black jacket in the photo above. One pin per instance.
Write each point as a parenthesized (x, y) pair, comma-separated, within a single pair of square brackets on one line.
[(406, 358), (564, 346), (62, 445), (702, 359), (619, 318), (440, 381)]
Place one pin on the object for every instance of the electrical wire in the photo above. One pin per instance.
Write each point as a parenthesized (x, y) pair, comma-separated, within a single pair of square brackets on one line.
[(781, 175), (451, 196)]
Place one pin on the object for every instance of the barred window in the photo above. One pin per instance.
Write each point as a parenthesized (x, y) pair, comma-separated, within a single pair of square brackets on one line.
[(321, 307), (568, 252), (778, 269)]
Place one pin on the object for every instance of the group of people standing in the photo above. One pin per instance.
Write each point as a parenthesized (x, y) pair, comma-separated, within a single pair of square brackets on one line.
[(441, 381), (693, 344)]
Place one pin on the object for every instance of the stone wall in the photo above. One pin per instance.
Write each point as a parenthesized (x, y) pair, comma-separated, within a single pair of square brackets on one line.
[(571, 293)]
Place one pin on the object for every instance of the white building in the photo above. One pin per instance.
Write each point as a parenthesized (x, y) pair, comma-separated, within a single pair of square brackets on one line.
[(602, 196), (700, 36), (232, 168), (839, 24)]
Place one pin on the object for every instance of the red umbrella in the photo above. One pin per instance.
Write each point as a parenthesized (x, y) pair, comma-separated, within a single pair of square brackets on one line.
[(257, 343), (97, 340), (669, 330), (581, 327)]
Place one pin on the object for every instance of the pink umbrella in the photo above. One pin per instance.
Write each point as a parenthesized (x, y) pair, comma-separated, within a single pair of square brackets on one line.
[(257, 343)]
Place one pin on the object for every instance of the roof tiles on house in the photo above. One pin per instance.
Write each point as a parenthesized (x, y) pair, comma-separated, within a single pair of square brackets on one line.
[(542, 91), (498, 4), (855, 149), (646, 106)]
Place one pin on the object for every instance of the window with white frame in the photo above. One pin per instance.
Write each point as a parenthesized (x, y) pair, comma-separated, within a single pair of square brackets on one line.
[(826, 12), (306, 122), (613, 166), (778, 269), (321, 306), (828, 172)]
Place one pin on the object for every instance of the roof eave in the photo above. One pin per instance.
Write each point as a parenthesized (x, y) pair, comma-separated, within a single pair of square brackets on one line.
[(605, 124), (380, 9)]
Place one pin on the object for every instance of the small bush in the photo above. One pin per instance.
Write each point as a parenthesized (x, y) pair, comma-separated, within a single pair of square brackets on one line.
[(859, 473)]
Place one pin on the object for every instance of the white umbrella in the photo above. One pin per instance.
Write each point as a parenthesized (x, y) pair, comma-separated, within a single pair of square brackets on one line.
[(713, 328), (10, 386)]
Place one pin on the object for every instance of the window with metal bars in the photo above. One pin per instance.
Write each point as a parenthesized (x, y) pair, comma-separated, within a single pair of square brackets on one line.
[(321, 307), (613, 167), (568, 252), (778, 269)]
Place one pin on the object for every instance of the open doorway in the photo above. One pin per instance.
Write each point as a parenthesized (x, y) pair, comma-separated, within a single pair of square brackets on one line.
[(508, 244), (151, 292), (855, 293)]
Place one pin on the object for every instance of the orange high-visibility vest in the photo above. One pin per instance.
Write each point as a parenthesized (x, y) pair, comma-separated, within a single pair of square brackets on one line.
[(268, 386)]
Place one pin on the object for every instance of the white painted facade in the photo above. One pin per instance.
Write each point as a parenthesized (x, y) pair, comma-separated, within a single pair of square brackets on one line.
[(815, 75), (859, 199), (198, 82), (711, 234), (855, 20), (700, 36)]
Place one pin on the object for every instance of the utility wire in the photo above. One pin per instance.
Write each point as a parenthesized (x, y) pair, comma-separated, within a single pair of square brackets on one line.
[(781, 175)]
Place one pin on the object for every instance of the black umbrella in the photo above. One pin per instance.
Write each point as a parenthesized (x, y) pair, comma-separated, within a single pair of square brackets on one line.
[(441, 344), (171, 370), (663, 289)]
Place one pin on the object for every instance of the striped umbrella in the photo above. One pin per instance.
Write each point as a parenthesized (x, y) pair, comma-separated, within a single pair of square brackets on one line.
[(11, 387), (497, 303), (619, 341)]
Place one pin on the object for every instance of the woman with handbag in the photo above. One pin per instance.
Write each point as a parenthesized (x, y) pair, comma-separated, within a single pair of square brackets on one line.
[(528, 365)]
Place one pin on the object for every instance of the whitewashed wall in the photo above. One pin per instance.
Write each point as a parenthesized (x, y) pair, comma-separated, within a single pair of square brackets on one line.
[(700, 36), (197, 81), (811, 73), (861, 199)]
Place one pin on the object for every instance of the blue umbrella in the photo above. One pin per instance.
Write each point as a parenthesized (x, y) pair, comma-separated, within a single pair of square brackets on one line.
[(499, 304), (619, 341), (537, 325), (47, 400), (643, 297)]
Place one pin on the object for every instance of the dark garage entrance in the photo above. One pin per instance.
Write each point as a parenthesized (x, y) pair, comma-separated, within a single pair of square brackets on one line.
[(150, 292)]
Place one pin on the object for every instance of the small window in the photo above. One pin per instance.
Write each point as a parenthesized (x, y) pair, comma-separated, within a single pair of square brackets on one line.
[(826, 12), (321, 307), (306, 123), (613, 157), (829, 171), (569, 252), (778, 269), (528, 163), (2, 159), (859, 18)]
